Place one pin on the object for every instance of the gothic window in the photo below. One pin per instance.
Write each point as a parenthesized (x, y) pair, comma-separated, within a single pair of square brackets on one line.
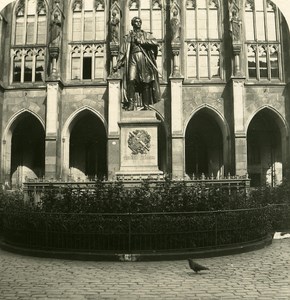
[(263, 40), (202, 35), (88, 36), (151, 14), (29, 41)]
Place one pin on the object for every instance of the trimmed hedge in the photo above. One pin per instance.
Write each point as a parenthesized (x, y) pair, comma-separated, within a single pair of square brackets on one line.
[(77, 217)]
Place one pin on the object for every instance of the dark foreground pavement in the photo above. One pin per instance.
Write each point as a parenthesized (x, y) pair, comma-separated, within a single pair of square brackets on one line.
[(263, 274)]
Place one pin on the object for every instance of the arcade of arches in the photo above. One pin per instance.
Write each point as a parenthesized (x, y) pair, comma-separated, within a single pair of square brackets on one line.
[(224, 82)]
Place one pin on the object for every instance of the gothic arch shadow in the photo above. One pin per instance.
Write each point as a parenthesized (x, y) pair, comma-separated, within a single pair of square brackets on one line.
[(23, 148), (207, 143), (267, 135), (84, 146)]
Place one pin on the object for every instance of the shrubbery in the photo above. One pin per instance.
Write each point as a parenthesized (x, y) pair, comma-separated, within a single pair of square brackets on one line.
[(167, 196), (71, 210)]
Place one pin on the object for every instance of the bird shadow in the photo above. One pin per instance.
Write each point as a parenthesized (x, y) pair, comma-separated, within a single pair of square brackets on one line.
[(194, 274)]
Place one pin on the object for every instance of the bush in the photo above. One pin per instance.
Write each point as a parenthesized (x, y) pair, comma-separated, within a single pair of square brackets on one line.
[(167, 196), (74, 214)]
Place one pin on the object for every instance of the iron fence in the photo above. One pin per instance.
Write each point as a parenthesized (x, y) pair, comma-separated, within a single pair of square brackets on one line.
[(1, 221), (136, 232), (280, 217), (39, 186)]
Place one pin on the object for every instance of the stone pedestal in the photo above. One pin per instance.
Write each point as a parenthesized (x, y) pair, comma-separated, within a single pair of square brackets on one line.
[(138, 145)]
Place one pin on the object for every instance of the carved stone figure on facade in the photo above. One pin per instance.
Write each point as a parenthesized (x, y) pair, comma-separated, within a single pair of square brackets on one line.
[(115, 27), (138, 55), (55, 30), (235, 21), (55, 42), (175, 27)]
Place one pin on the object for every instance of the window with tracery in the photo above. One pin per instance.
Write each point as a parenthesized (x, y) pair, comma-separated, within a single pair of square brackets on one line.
[(29, 41), (88, 34), (203, 41), (263, 40), (152, 16)]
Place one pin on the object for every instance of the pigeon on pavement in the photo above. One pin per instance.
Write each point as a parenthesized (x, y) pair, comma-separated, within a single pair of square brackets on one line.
[(195, 266)]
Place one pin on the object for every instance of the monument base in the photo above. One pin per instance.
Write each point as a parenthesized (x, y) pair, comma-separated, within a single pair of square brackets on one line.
[(127, 176), (139, 146)]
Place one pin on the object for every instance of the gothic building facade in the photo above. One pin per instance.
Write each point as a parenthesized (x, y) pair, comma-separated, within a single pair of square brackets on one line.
[(223, 73)]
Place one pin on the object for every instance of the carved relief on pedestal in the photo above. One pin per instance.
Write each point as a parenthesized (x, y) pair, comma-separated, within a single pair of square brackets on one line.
[(139, 142)]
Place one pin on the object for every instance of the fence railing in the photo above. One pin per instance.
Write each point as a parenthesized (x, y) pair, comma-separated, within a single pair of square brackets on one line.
[(1, 221), (136, 232), (38, 187), (280, 217)]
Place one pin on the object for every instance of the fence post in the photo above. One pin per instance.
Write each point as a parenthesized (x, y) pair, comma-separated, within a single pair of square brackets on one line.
[(46, 231), (129, 237), (1, 222), (216, 228)]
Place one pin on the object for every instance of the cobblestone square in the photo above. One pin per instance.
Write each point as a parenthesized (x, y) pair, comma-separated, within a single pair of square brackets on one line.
[(262, 274)]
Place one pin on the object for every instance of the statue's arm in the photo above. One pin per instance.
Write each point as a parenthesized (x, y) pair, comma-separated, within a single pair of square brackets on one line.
[(148, 40)]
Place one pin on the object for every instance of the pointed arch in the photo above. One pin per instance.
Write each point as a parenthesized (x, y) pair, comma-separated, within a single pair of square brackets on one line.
[(32, 163), (15, 116), (222, 157), (66, 135), (267, 139), (281, 121), (216, 114)]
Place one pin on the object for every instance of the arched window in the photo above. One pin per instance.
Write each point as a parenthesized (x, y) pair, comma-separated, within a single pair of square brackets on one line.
[(263, 40), (88, 35), (202, 36), (152, 16), (30, 31)]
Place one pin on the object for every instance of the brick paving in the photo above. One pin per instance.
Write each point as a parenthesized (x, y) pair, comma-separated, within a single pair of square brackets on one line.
[(262, 274)]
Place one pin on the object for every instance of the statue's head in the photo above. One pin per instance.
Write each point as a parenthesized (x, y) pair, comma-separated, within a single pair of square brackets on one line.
[(136, 22)]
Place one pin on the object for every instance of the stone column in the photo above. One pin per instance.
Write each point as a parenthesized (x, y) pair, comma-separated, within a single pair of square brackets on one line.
[(177, 128), (51, 132), (176, 59), (114, 110), (114, 95), (239, 126), (2, 147)]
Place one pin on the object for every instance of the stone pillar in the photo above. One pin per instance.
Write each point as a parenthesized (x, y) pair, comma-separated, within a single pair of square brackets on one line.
[(2, 147), (114, 98), (54, 53), (178, 159), (239, 126), (114, 110), (51, 132), (176, 59)]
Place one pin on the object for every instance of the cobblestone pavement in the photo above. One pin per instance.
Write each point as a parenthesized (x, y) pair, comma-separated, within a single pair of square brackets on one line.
[(262, 274)]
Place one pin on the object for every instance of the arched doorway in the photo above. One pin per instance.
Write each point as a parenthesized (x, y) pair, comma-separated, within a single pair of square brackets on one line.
[(204, 146), (27, 149), (87, 147), (264, 147)]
